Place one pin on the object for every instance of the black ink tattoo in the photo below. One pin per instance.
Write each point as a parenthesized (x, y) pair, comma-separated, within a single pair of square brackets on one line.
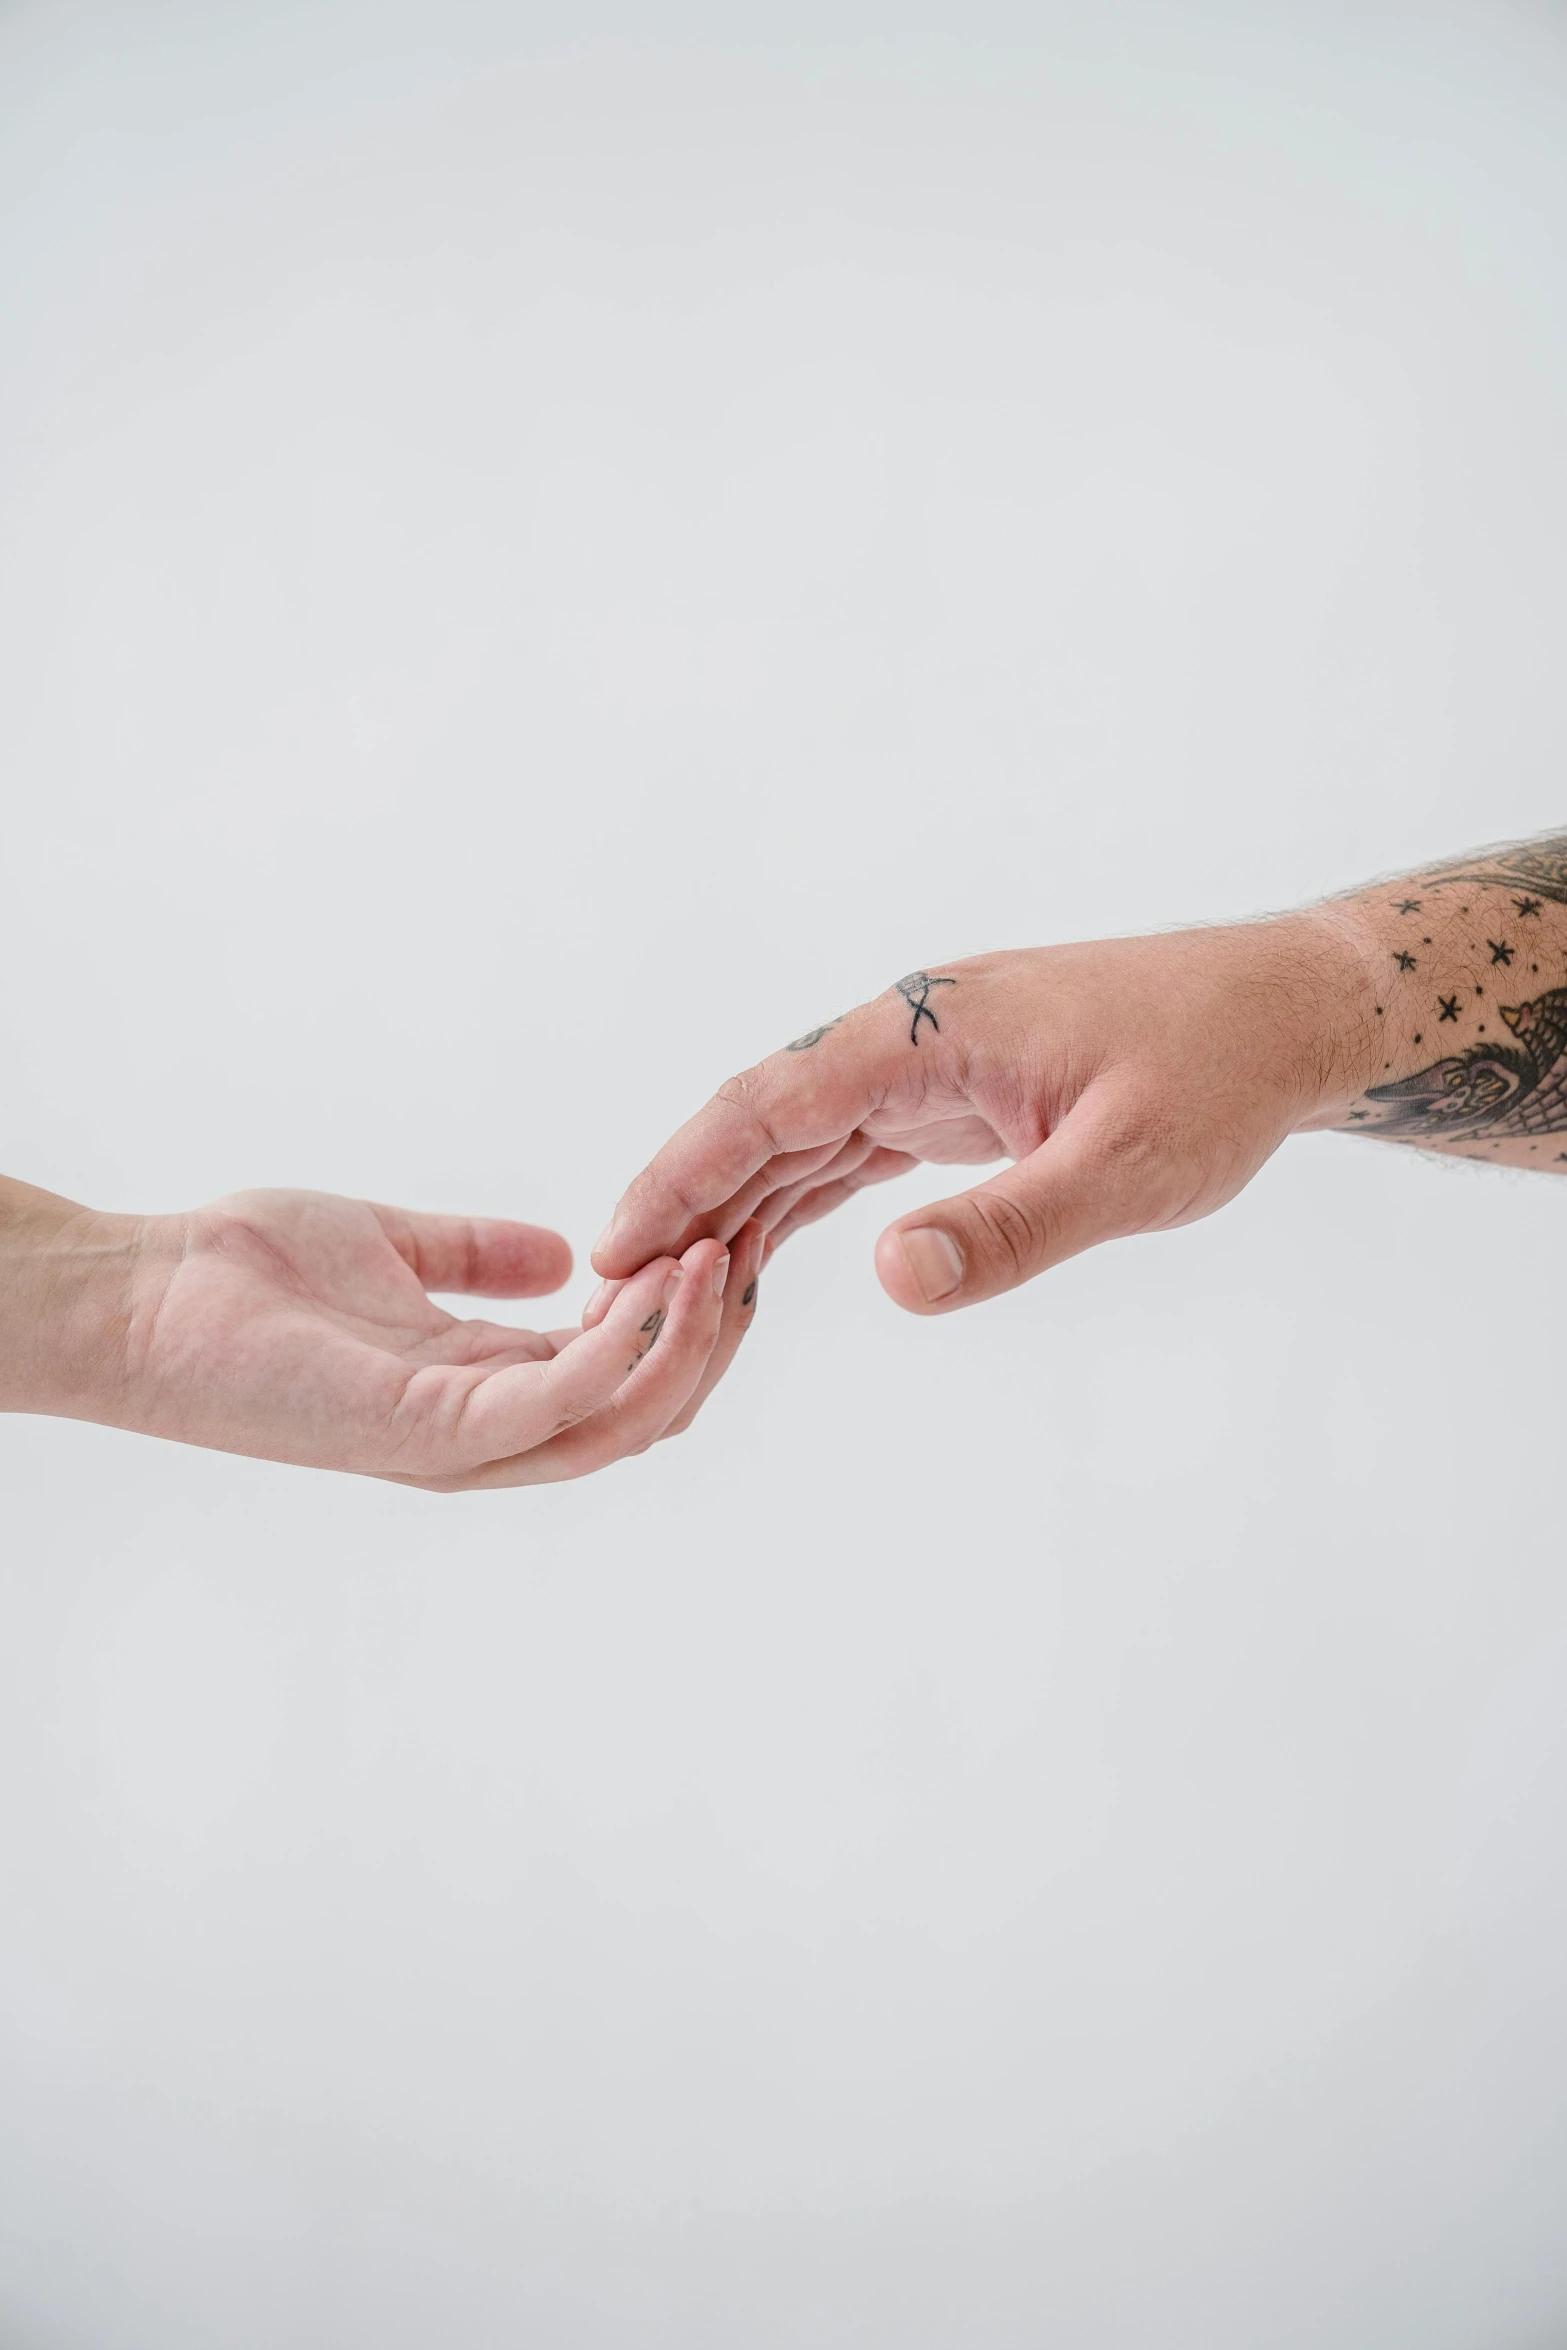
[(1405, 962), (915, 991), (650, 1330), (1408, 906), (1449, 1004), (803, 1044), (1524, 907), (1489, 1090), (1501, 952), (1537, 867), (748, 1294)]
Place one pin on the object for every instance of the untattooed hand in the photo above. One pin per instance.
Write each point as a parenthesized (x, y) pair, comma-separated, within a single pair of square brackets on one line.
[(297, 1327), (1137, 1083)]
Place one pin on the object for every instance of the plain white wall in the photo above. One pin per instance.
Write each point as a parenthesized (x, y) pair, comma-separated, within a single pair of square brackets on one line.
[(542, 551)]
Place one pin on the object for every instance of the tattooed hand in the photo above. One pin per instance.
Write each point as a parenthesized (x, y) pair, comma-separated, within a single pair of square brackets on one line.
[(1138, 1083), (298, 1327)]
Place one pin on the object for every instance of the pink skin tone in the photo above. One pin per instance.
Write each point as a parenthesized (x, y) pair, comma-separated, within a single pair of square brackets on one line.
[(296, 1326), (1135, 1083)]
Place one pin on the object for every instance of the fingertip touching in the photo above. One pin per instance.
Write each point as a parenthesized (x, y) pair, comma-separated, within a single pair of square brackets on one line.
[(697, 1183)]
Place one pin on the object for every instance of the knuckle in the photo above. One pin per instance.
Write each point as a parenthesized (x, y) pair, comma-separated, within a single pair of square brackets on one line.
[(748, 1094), (567, 1412)]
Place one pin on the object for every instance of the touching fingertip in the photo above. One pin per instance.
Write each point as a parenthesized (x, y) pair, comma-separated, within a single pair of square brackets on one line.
[(720, 1275)]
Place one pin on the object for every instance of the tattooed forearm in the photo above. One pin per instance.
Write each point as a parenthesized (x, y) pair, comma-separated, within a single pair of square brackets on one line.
[(1489, 1091), (1537, 867), (915, 990), (1500, 1089)]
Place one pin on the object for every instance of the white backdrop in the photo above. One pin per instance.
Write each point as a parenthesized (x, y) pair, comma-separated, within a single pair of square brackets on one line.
[(541, 552)]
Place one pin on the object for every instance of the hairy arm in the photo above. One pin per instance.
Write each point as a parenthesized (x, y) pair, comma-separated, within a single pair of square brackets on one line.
[(1468, 964), (1140, 1083)]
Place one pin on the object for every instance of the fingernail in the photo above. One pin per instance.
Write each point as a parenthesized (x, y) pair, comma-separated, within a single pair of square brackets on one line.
[(933, 1260), (720, 1276), (604, 1238), (673, 1283)]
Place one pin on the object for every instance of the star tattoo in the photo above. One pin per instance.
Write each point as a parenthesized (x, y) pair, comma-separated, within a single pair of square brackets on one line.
[(1527, 906), (1408, 906), (1449, 1004), (1501, 952), (1405, 961)]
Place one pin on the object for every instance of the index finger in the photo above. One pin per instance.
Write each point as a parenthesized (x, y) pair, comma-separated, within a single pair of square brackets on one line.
[(807, 1097)]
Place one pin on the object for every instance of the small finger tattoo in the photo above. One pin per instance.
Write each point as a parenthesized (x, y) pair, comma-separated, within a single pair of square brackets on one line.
[(915, 991), (650, 1330), (803, 1044), (748, 1294)]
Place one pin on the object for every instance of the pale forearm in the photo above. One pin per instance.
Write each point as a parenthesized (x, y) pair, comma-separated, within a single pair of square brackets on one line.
[(65, 1279)]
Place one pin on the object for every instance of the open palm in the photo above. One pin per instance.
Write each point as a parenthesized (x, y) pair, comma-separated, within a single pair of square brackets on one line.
[(299, 1327)]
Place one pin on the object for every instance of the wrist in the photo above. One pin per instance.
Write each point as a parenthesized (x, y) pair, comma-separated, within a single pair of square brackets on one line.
[(1332, 982), (66, 1275)]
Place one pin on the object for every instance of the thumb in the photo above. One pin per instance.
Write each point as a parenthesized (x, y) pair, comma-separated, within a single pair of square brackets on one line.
[(1064, 1197)]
